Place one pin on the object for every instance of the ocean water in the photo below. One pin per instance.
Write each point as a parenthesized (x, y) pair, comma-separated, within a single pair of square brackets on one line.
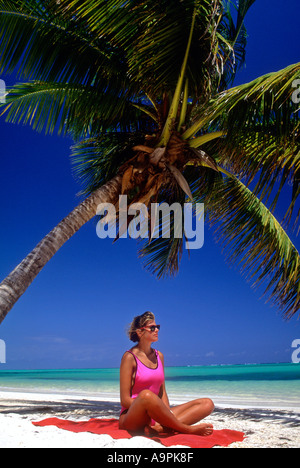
[(265, 385)]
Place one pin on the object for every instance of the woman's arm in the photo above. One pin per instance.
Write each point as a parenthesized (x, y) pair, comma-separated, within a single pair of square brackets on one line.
[(163, 392), (126, 372)]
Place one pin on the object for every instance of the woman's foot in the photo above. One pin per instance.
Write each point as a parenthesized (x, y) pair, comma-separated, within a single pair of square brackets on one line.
[(156, 430), (202, 429)]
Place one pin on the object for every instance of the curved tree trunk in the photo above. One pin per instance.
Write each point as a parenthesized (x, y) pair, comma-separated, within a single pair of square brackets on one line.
[(16, 283)]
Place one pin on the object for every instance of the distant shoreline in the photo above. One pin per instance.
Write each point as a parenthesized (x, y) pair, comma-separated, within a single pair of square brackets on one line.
[(116, 367)]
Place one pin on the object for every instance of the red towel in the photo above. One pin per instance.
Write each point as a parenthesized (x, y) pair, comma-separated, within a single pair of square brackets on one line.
[(222, 438)]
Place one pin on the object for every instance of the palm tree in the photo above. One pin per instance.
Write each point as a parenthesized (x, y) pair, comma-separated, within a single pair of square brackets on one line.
[(144, 89)]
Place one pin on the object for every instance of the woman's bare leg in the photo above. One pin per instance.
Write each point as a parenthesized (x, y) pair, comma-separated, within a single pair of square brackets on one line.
[(149, 406), (190, 413), (193, 411)]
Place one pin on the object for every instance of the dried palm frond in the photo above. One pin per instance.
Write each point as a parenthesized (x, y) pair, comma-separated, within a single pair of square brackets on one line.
[(154, 170)]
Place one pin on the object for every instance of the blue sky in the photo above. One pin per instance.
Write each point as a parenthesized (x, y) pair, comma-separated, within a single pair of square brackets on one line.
[(76, 311)]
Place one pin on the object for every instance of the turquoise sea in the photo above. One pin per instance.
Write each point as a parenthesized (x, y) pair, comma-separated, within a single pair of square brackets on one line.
[(266, 385)]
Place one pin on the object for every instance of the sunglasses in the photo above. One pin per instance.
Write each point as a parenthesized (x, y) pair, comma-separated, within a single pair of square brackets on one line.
[(152, 328)]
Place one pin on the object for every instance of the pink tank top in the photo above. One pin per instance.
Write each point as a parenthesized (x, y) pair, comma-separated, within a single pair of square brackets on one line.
[(147, 378)]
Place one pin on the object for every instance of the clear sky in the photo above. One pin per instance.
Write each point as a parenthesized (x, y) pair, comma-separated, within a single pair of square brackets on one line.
[(75, 313)]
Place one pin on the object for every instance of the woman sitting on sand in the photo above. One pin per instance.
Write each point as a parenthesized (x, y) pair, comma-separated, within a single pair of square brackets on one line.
[(145, 404)]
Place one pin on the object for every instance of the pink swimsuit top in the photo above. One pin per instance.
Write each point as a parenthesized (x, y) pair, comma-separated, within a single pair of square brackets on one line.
[(147, 378)]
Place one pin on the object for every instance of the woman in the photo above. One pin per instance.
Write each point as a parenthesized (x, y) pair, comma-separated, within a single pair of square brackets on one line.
[(144, 400)]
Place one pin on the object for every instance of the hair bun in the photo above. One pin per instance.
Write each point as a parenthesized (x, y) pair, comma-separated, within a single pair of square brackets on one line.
[(138, 322)]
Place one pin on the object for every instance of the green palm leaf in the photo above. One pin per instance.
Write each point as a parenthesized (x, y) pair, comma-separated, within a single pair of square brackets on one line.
[(37, 43), (154, 37), (254, 239), (73, 109), (162, 256), (234, 31), (251, 237), (261, 124), (236, 105), (267, 159)]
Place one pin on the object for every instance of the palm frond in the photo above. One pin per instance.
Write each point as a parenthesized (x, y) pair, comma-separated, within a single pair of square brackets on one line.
[(253, 239), (77, 110), (234, 31), (261, 124), (38, 43), (267, 162), (154, 37), (95, 161), (162, 256), (169, 124), (251, 236), (277, 86)]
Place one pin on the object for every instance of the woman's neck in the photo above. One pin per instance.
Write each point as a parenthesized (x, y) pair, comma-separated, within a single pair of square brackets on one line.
[(145, 348)]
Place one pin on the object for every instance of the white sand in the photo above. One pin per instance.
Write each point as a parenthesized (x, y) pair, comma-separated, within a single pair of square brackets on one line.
[(263, 427)]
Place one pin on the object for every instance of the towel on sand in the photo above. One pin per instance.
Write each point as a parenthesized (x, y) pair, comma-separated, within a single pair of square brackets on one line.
[(222, 438)]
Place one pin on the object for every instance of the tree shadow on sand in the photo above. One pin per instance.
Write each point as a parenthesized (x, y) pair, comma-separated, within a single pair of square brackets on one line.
[(67, 409), (76, 409)]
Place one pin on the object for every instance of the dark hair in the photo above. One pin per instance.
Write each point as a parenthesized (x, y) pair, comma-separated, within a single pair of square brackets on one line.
[(138, 322)]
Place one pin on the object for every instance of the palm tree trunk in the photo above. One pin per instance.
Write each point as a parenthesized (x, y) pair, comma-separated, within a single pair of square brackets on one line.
[(16, 283)]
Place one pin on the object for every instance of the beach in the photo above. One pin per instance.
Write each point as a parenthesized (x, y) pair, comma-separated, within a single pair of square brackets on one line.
[(264, 427)]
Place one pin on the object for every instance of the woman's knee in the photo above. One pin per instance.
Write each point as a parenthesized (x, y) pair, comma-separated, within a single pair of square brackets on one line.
[(206, 403), (147, 397), (209, 404)]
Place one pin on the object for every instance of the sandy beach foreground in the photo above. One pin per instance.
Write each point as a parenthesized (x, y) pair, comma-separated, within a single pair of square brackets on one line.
[(264, 428)]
